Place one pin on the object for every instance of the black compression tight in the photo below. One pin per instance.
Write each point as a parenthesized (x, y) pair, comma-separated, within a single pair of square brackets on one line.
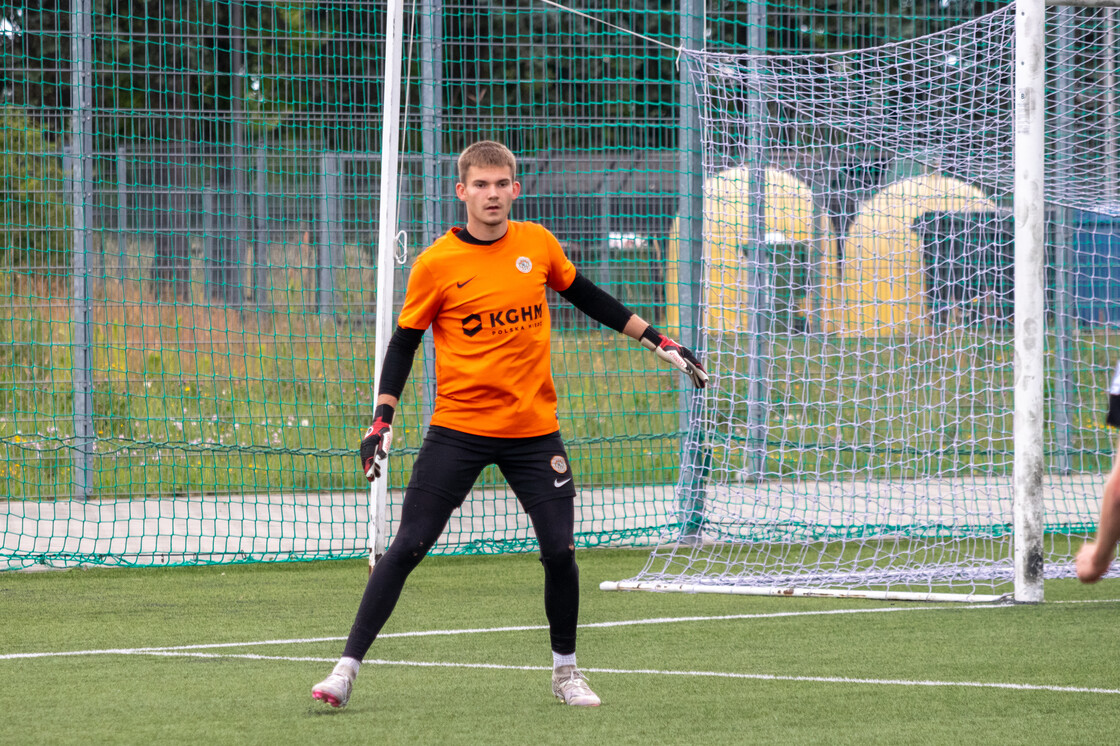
[(423, 518), (554, 523)]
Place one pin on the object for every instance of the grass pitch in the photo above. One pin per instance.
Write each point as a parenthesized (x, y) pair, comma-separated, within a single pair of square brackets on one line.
[(228, 654)]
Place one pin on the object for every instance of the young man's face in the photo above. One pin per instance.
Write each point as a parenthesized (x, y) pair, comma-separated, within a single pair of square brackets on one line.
[(488, 193)]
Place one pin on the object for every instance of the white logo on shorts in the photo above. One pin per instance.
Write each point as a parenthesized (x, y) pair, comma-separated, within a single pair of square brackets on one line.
[(559, 465), (560, 482)]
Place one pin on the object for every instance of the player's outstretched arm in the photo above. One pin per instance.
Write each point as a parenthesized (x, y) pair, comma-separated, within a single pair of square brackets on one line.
[(1096, 557), (374, 450), (608, 311)]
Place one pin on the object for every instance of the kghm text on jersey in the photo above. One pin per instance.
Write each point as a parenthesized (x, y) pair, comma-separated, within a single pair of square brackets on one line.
[(516, 316), (506, 321)]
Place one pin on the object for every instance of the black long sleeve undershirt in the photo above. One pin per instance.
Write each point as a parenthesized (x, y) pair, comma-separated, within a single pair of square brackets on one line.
[(398, 360), (597, 303)]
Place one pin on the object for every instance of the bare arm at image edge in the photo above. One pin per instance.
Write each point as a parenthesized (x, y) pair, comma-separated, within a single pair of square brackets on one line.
[(1096, 557)]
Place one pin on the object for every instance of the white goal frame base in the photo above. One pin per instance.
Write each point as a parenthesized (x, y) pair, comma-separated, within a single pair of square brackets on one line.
[(795, 592)]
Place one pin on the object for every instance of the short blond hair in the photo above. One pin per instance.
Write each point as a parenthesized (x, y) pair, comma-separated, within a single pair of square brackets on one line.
[(486, 153)]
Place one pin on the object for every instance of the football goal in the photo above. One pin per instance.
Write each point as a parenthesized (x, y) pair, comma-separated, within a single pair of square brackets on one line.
[(907, 263)]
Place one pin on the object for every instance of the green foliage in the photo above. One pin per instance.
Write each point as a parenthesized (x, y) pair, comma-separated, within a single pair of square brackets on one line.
[(539, 77), (32, 199), (217, 407)]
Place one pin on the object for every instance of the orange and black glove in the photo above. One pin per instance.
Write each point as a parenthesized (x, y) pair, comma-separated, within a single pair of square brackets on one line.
[(376, 442), (676, 355)]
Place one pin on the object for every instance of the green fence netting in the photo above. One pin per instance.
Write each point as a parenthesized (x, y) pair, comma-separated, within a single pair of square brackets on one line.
[(190, 212)]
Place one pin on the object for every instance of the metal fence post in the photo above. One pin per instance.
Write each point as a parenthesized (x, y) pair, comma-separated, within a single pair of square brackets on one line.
[(209, 233), (81, 183), (261, 242), (235, 253), (1064, 256), (328, 207), (122, 212), (691, 186), (760, 267), (605, 249)]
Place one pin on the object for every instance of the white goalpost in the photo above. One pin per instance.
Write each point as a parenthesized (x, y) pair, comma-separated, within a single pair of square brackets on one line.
[(877, 422), (1029, 206), (378, 530)]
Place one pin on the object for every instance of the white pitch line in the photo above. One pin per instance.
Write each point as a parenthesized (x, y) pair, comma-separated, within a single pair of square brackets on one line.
[(656, 672), (487, 630), (530, 628)]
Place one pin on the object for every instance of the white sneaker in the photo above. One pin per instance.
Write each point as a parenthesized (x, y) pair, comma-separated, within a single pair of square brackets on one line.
[(569, 685), (334, 690)]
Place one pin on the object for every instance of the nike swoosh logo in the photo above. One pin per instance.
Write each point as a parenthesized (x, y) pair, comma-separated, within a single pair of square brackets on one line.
[(560, 483), (461, 284)]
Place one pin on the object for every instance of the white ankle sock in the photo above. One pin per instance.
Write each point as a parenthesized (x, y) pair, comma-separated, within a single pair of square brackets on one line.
[(348, 667), (562, 660)]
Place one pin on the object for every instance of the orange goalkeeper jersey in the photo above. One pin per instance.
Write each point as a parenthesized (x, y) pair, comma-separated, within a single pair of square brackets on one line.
[(490, 322)]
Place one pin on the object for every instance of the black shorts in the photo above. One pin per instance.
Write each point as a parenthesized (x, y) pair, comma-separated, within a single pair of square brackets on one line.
[(450, 461)]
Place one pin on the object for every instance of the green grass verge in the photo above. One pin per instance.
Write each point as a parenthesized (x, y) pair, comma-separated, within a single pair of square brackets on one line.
[(187, 401), (138, 698)]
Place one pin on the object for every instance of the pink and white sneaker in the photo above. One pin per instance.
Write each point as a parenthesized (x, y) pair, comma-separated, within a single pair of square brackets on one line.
[(569, 685), (334, 690)]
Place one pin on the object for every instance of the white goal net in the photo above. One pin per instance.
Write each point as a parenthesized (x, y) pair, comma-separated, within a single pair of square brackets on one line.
[(857, 314)]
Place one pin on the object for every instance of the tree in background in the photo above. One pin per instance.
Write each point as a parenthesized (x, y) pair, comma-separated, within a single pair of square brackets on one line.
[(33, 207), (191, 87)]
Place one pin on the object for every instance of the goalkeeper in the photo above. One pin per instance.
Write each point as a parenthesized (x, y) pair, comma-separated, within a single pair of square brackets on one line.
[(482, 291), (1096, 557)]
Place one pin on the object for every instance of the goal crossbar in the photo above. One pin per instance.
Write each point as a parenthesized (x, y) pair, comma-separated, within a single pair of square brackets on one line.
[(1084, 3)]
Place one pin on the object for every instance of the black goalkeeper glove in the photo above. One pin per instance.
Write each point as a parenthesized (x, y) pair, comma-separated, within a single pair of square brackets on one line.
[(676, 355), (376, 442)]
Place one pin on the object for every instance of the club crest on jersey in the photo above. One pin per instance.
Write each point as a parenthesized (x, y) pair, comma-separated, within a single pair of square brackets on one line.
[(524, 265), (559, 465)]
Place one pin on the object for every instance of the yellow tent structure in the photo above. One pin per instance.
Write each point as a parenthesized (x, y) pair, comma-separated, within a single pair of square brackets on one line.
[(885, 285), (791, 218)]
